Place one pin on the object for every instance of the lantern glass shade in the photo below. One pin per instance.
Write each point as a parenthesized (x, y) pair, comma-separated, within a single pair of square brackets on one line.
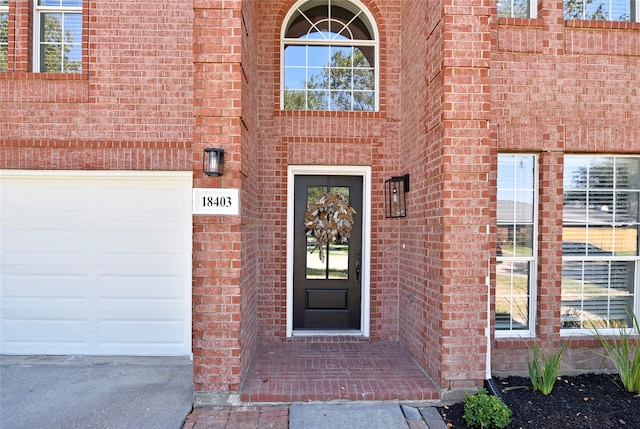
[(395, 196), (213, 161)]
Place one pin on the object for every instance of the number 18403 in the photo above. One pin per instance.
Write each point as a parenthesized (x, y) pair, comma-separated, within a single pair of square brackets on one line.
[(210, 201)]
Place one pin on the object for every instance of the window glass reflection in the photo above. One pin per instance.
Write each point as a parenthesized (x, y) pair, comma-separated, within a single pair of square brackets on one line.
[(334, 263), (512, 295), (340, 70), (515, 253), (599, 241)]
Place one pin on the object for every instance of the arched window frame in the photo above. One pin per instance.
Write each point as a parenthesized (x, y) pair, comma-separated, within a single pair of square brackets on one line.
[(373, 42)]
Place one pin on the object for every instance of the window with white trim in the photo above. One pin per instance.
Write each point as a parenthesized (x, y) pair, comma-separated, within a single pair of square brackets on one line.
[(517, 8), (57, 36), (4, 35), (517, 203), (602, 10), (329, 57), (600, 242)]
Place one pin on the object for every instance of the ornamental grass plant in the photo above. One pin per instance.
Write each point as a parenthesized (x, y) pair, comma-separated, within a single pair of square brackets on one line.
[(619, 351), (544, 368)]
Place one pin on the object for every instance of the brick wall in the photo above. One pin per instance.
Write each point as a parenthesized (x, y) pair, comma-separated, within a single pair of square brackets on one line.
[(443, 247), (327, 138), (251, 207), (465, 192), (272, 173), (443, 142), (130, 108), (222, 330), (560, 87), (162, 81), (420, 244)]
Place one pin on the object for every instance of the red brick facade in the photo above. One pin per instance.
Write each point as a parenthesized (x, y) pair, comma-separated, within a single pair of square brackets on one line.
[(162, 81), (560, 87), (128, 110)]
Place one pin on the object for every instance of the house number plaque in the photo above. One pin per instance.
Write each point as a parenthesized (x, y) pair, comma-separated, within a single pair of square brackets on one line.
[(213, 201)]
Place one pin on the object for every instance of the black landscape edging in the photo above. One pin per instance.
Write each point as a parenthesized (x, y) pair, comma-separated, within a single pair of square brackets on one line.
[(492, 387)]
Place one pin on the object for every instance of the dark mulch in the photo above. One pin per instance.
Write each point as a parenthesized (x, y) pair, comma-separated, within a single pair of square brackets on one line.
[(589, 401)]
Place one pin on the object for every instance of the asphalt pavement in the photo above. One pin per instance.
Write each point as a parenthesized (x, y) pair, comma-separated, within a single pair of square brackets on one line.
[(70, 392)]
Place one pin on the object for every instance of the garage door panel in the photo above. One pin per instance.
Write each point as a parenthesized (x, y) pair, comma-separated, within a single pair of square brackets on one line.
[(70, 286), (142, 244), (150, 334), (94, 244), (161, 200), (134, 287), (141, 288), (75, 336), (61, 283), (49, 243), (104, 268), (147, 331), (28, 328), (139, 349), (45, 303), (61, 199)]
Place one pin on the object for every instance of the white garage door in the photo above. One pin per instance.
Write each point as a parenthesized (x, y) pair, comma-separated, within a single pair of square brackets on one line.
[(95, 263)]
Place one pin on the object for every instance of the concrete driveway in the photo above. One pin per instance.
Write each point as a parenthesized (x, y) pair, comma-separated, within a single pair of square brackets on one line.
[(69, 392)]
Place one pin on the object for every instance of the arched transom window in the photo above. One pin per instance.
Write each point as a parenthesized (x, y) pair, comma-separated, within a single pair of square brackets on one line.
[(329, 52)]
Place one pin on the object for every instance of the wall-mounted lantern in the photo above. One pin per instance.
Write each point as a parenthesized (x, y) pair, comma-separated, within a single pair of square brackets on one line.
[(213, 161), (395, 199)]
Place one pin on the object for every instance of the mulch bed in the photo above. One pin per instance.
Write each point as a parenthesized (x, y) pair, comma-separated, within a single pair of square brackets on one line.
[(591, 401)]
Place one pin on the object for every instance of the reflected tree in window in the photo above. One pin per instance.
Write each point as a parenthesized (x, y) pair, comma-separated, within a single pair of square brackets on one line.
[(346, 83), (597, 10), (58, 45), (4, 35), (513, 8), (329, 59), (333, 262)]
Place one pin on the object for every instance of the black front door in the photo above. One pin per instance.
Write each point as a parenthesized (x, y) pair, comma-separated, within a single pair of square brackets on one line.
[(327, 289)]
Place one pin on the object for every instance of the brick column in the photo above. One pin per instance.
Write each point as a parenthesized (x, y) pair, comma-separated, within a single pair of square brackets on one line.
[(550, 248), (552, 14), (551, 164), (217, 243), (466, 190)]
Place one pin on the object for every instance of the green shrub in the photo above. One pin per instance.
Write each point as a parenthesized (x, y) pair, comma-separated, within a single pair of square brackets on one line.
[(484, 411), (544, 369), (618, 351)]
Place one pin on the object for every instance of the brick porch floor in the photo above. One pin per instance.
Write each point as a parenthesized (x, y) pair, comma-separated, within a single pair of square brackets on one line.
[(357, 371)]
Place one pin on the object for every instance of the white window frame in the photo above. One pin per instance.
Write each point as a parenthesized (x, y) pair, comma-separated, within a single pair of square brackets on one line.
[(325, 42), (533, 8), (634, 11), (4, 9), (37, 17), (568, 332), (532, 260)]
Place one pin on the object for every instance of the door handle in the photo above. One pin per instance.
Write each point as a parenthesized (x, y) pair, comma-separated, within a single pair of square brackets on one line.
[(358, 266)]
